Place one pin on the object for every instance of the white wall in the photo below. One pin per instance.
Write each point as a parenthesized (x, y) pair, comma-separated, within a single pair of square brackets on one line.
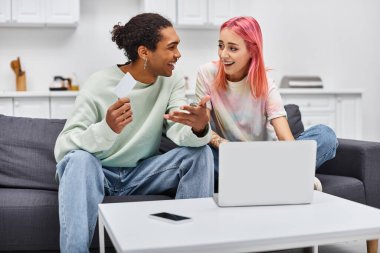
[(46, 52), (338, 40)]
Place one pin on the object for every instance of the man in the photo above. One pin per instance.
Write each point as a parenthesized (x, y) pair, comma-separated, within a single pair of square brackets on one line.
[(108, 145)]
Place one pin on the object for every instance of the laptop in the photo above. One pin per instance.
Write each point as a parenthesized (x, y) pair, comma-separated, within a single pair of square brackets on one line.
[(266, 173)]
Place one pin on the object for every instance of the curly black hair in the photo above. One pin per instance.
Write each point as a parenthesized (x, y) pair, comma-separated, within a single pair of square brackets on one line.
[(141, 30)]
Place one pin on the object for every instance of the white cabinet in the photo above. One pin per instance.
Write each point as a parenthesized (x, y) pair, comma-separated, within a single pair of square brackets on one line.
[(219, 11), (340, 110), (60, 12), (349, 115), (61, 107), (315, 108), (314, 118), (5, 11), (192, 13), (29, 12), (166, 8), (6, 106), (56, 105), (39, 12), (204, 13), (33, 107)]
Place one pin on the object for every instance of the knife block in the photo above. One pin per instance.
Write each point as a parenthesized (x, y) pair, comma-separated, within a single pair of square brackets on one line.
[(21, 82)]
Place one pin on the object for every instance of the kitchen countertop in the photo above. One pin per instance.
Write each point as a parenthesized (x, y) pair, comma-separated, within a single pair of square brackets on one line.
[(188, 93), (319, 91), (38, 93), (307, 91)]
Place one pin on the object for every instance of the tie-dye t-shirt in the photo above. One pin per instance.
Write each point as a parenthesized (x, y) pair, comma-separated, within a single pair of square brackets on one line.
[(235, 114)]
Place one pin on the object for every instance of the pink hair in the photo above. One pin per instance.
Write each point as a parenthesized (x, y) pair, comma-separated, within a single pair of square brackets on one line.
[(249, 30)]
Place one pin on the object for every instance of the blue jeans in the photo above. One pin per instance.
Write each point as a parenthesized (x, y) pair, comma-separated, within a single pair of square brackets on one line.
[(325, 137), (83, 183)]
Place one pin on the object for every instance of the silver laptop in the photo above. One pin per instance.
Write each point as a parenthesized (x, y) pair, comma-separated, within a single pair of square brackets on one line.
[(266, 173)]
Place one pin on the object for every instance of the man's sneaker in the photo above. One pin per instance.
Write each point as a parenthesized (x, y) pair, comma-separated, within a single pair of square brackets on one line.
[(317, 184)]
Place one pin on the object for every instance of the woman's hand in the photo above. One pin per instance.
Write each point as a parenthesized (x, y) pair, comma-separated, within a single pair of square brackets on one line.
[(196, 116), (216, 140), (119, 115)]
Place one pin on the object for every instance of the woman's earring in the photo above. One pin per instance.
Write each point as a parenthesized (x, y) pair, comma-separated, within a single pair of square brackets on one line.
[(145, 62)]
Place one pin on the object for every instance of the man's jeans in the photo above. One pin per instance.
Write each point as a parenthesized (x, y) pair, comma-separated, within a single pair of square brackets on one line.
[(325, 137), (83, 183)]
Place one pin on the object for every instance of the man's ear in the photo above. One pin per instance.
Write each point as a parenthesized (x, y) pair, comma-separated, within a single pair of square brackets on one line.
[(142, 52)]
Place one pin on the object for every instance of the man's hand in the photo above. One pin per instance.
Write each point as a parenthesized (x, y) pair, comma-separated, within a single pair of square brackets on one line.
[(119, 115), (195, 116)]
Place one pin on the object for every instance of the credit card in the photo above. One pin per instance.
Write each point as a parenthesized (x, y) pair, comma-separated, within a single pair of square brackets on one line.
[(124, 87)]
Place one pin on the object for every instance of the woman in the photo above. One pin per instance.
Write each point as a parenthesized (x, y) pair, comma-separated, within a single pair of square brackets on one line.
[(245, 106)]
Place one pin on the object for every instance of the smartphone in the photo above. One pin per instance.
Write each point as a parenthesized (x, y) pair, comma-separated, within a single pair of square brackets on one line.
[(170, 217)]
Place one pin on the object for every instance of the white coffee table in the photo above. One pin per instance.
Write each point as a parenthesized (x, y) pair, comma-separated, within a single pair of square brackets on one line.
[(236, 229)]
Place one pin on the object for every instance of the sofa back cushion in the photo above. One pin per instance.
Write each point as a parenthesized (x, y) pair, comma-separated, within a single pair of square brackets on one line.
[(27, 149), (27, 152), (294, 119)]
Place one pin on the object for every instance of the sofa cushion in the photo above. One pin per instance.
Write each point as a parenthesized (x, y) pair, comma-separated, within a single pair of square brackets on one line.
[(294, 119), (27, 152), (29, 218)]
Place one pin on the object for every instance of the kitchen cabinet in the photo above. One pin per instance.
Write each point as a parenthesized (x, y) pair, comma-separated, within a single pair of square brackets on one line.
[(33, 107), (349, 115), (39, 13), (340, 110), (57, 105), (60, 12), (5, 11), (315, 108), (219, 11), (194, 14), (6, 106), (28, 12), (61, 107), (204, 13), (166, 8)]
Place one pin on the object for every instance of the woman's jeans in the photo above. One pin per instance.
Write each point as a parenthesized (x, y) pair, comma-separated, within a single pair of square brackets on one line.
[(325, 137), (83, 183)]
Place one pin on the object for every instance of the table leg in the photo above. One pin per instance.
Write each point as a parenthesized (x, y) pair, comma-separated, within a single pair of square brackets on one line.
[(101, 234), (372, 246), (313, 249)]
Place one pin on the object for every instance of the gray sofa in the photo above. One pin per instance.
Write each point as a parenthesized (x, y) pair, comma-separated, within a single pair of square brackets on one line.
[(28, 191)]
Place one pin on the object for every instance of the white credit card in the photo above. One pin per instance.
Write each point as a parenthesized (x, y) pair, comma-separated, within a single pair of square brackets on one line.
[(124, 87)]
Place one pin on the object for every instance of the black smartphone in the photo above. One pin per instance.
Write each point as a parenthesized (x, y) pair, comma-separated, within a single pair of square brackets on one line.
[(170, 217)]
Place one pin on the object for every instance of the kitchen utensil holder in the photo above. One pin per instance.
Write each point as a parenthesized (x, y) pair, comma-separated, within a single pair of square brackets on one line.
[(21, 82)]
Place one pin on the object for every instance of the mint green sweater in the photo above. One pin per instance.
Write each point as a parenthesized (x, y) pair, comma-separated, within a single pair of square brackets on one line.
[(87, 129)]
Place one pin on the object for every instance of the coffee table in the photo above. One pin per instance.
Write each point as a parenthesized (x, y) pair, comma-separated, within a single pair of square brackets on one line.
[(327, 220)]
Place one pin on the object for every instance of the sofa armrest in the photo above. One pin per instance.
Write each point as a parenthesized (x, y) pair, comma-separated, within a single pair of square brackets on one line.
[(361, 160)]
